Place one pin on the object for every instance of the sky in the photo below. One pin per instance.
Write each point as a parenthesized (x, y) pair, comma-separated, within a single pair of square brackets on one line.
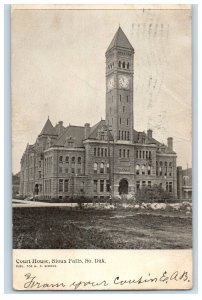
[(58, 70)]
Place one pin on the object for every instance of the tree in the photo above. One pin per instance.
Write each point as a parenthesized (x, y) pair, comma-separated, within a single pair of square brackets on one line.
[(153, 193)]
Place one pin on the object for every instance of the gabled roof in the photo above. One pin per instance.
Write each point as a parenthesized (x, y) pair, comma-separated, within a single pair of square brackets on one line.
[(48, 129), (76, 132), (100, 126), (120, 40)]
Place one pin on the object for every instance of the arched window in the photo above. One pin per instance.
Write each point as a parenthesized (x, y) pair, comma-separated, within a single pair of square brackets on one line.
[(128, 153), (107, 168), (166, 163), (67, 159), (79, 160), (73, 160), (161, 163), (60, 159), (95, 167), (137, 169), (143, 169), (170, 164), (101, 168), (123, 65), (124, 153), (119, 64), (149, 170), (128, 65), (119, 152), (160, 171)]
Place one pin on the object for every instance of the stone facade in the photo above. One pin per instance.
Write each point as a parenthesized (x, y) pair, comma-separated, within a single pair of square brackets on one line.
[(107, 159)]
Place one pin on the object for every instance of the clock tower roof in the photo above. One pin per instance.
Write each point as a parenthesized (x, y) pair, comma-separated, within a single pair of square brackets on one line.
[(120, 40)]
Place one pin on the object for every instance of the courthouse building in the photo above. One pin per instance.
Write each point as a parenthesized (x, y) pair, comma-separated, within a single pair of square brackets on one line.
[(108, 158)]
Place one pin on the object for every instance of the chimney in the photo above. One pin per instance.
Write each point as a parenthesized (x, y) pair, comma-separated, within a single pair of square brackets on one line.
[(149, 133), (86, 130), (60, 127), (170, 143)]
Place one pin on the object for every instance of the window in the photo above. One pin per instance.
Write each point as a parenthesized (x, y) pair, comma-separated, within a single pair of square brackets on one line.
[(170, 164), (102, 152), (137, 169), (73, 160), (127, 98), (143, 183), (119, 152), (94, 151), (160, 171), (125, 135), (66, 186), (166, 163), (60, 169), (149, 183), (67, 159), (123, 108), (105, 152), (98, 152), (140, 153), (123, 65), (107, 168), (122, 133), (102, 137), (79, 160), (101, 186), (73, 170), (120, 98), (124, 153), (143, 154), (143, 169), (39, 174), (95, 168), (137, 185), (101, 168), (60, 159), (136, 153), (127, 122), (167, 186), (94, 185), (119, 64), (107, 186), (128, 153), (66, 170), (119, 134), (149, 170), (170, 187), (120, 120), (79, 171), (128, 65), (60, 185), (161, 185)]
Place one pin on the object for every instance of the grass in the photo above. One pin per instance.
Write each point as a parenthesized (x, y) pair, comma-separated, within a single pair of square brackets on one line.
[(62, 228)]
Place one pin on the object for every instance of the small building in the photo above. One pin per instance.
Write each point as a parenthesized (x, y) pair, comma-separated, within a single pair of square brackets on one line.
[(184, 183)]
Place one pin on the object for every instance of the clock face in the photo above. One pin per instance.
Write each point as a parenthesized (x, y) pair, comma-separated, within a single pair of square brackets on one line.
[(111, 83), (124, 82)]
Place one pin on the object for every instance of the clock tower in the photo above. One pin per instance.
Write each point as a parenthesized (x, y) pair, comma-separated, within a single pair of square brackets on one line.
[(119, 87)]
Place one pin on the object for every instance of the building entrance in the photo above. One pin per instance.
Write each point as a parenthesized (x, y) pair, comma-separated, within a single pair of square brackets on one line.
[(123, 187)]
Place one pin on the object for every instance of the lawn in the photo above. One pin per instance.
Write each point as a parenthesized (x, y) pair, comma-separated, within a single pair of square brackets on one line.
[(62, 228)]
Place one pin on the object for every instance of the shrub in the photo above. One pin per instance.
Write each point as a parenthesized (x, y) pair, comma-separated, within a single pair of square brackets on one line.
[(153, 194)]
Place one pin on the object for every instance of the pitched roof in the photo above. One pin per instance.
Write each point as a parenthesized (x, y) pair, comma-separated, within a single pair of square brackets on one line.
[(120, 40), (48, 129), (76, 132), (101, 125)]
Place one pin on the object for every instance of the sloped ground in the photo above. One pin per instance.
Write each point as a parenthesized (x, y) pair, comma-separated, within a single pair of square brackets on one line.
[(62, 228)]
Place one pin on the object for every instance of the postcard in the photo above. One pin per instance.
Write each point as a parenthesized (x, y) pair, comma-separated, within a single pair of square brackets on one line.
[(102, 147)]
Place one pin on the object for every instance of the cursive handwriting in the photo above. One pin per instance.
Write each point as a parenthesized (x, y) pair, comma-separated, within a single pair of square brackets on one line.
[(32, 283), (165, 277)]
